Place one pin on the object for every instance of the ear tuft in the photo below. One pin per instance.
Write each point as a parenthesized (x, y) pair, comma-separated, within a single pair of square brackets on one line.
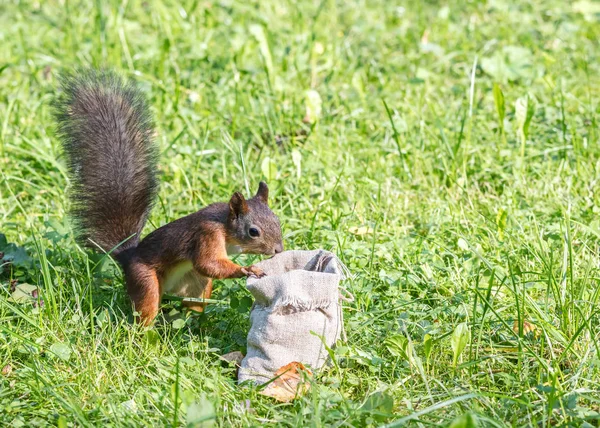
[(238, 205), (263, 192)]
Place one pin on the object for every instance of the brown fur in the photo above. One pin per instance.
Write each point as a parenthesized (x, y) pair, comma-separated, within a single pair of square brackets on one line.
[(200, 238), (107, 136), (207, 285)]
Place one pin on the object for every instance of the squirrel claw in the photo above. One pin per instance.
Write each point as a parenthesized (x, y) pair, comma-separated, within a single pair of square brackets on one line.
[(253, 271)]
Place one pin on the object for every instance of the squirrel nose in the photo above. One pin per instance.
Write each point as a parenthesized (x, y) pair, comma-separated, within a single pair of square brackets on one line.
[(278, 248)]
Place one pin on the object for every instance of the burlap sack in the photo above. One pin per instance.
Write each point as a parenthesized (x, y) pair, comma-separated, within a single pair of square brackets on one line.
[(299, 295)]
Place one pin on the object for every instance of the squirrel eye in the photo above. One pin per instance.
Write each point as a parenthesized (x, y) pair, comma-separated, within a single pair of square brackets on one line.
[(254, 232)]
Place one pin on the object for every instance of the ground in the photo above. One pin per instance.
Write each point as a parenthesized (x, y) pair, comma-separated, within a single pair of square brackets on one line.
[(448, 152)]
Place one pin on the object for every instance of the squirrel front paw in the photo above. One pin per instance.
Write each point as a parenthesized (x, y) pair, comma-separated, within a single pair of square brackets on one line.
[(253, 271)]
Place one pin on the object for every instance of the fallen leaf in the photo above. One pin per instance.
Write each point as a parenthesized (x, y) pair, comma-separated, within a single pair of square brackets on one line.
[(289, 383), (233, 357), (527, 328), (7, 370), (22, 293)]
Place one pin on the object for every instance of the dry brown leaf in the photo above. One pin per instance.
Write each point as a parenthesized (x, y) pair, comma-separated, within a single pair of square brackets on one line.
[(289, 382), (7, 370), (233, 357), (527, 328)]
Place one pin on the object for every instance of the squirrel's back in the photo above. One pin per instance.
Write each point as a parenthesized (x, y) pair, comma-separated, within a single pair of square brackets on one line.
[(106, 133)]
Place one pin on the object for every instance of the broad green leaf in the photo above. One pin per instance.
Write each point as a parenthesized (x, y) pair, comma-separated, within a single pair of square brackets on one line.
[(313, 106), (269, 168), (16, 255), (61, 350), (524, 110), (400, 346), (297, 160), (61, 422), (379, 405), (201, 413), (61, 228), (245, 304), (259, 34), (178, 323), (152, 337), (460, 338), (468, 420), (511, 63), (463, 245), (102, 316), (427, 345)]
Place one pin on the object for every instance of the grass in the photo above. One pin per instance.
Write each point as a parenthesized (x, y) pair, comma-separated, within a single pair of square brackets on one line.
[(450, 159)]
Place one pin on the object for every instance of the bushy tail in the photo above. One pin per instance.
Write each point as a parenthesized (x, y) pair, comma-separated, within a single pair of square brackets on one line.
[(106, 132)]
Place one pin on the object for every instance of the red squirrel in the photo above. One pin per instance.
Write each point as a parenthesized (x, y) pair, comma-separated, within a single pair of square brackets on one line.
[(106, 132)]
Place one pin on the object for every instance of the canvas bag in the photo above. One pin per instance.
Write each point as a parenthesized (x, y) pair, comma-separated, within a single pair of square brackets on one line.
[(300, 294)]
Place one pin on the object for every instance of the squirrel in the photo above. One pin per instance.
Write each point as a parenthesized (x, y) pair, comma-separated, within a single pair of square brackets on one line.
[(106, 132)]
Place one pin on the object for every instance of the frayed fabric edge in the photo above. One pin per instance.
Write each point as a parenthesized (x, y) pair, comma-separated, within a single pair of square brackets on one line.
[(291, 305)]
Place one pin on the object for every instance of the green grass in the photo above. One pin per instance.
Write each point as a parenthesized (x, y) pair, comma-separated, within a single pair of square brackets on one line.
[(467, 212)]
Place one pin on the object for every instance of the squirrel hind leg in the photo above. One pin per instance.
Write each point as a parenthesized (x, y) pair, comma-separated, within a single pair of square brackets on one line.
[(196, 286), (144, 290), (200, 306)]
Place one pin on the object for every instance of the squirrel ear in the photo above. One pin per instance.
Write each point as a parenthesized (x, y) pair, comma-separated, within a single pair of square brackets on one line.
[(238, 205), (263, 192)]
